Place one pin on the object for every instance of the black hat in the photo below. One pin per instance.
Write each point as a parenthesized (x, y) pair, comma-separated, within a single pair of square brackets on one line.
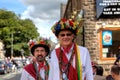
[(40, 45), (42, 42)]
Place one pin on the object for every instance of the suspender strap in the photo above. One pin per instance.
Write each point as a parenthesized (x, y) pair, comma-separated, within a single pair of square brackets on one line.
[(36, 70)]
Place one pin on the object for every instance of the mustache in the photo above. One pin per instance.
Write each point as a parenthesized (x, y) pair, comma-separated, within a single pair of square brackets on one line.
[(40, 58)]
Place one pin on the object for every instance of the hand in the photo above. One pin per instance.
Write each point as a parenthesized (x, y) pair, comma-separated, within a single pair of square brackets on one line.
[(34, 59)]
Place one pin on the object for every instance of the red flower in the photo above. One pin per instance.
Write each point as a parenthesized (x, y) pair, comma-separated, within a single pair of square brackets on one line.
[(71, 23), (63, 19), (42, 42), (32, 43)]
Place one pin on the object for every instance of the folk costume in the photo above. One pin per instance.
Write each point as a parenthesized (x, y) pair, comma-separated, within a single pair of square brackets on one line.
[(35, 70), (72, 63)]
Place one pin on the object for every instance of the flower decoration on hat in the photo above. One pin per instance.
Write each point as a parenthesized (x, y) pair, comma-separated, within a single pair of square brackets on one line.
[(31, 43), (42, 41), (66, 24)]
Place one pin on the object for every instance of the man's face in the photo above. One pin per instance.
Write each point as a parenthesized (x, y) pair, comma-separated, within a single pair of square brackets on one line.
[(66, 37), (94, 69), (40, 54)]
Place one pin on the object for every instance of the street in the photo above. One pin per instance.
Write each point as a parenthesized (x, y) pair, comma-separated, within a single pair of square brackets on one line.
[(11, 76)]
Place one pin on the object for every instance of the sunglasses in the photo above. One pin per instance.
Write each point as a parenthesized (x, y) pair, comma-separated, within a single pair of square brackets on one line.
[(62, 35)]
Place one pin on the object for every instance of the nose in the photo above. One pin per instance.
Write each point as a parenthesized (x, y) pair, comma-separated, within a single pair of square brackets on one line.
[(39, 52)]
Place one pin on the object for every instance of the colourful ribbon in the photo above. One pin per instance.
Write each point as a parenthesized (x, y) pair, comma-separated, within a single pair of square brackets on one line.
[(79, 65)]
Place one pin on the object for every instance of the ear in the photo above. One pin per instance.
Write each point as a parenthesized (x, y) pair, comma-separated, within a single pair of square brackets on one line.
[(74, 37)]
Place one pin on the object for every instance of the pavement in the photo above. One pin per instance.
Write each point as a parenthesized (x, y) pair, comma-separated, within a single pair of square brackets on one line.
[(11, 75)]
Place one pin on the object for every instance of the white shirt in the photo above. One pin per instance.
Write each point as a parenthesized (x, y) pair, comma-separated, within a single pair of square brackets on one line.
[(85, 60), (27, 76)]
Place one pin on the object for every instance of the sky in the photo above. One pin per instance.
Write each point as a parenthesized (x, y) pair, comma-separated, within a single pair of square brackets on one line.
[(43, 13)]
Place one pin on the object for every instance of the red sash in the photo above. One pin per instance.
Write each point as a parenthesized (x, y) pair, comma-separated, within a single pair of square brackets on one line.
[(31, 70), (72, 75)]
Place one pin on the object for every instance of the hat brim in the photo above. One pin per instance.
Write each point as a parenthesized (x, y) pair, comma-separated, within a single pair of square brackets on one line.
[(69, 29), (40, 45)]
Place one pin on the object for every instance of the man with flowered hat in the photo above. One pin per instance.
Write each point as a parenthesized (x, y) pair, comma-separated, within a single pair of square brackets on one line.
[(69, 61), (39, 68)]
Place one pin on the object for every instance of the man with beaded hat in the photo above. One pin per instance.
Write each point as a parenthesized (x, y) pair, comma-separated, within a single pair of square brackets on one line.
[(39, 68), (69, 61)]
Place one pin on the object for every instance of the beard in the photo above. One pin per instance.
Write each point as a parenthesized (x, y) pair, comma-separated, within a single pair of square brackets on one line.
[(40, 58)]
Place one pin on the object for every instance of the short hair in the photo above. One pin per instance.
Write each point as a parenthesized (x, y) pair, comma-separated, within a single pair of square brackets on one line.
[(115, 69), (99, 70)]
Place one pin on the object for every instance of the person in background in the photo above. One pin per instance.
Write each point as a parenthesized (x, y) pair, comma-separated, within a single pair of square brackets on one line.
[(118, 52), (39, 68), (115, 72), (109, 77), (94, 68), (69, 61), (99, 73), (117, 61)]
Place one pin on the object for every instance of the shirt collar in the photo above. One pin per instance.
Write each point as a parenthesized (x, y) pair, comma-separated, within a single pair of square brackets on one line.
[(68, 49)]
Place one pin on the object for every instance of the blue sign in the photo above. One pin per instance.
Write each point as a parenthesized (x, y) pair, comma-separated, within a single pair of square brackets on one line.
[(107, 37)]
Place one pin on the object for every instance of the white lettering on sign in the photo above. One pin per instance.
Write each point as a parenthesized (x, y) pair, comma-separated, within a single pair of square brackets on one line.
[(107, 9), (107, 13), (116, 12)]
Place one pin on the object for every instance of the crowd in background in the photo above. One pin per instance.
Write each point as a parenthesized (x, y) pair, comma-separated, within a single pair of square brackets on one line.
[(114, 71)]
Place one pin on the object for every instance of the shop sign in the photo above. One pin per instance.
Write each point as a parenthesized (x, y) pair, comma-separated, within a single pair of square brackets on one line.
[(108, 8), (107, 38)]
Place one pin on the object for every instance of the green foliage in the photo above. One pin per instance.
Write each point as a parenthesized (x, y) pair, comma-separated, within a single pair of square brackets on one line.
[(22, 30)]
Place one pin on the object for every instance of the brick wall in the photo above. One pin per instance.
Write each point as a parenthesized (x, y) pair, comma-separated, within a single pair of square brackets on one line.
[(91, 37), (92, 26)]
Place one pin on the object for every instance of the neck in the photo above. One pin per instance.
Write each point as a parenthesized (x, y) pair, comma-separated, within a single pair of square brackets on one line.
[(66, 46)]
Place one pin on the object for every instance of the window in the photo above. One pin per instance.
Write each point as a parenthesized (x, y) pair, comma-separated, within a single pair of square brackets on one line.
[(110, 42)]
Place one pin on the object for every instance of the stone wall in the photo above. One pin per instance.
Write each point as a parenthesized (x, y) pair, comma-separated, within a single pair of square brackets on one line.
[(92, 27), (91, 37)]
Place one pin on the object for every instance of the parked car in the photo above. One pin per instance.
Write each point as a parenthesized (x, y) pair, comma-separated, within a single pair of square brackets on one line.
[(3, 67)]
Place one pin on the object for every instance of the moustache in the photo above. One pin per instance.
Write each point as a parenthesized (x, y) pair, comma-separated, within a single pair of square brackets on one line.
[(40, 58)]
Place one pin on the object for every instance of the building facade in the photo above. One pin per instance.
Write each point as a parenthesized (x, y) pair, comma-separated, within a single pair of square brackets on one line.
[(100, 28), (1, 50)]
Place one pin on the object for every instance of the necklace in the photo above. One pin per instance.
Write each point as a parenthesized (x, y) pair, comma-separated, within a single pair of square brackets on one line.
[(64, 67)]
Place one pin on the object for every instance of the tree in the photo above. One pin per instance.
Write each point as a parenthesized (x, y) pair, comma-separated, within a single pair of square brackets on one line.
[(22, 31)]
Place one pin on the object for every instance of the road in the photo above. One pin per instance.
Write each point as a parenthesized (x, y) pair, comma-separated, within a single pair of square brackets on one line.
[(11, 76)]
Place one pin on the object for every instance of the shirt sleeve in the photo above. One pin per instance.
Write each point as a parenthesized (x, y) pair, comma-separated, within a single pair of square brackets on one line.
[(54, 67), (88, 70), (51, 71), (24, 75)]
